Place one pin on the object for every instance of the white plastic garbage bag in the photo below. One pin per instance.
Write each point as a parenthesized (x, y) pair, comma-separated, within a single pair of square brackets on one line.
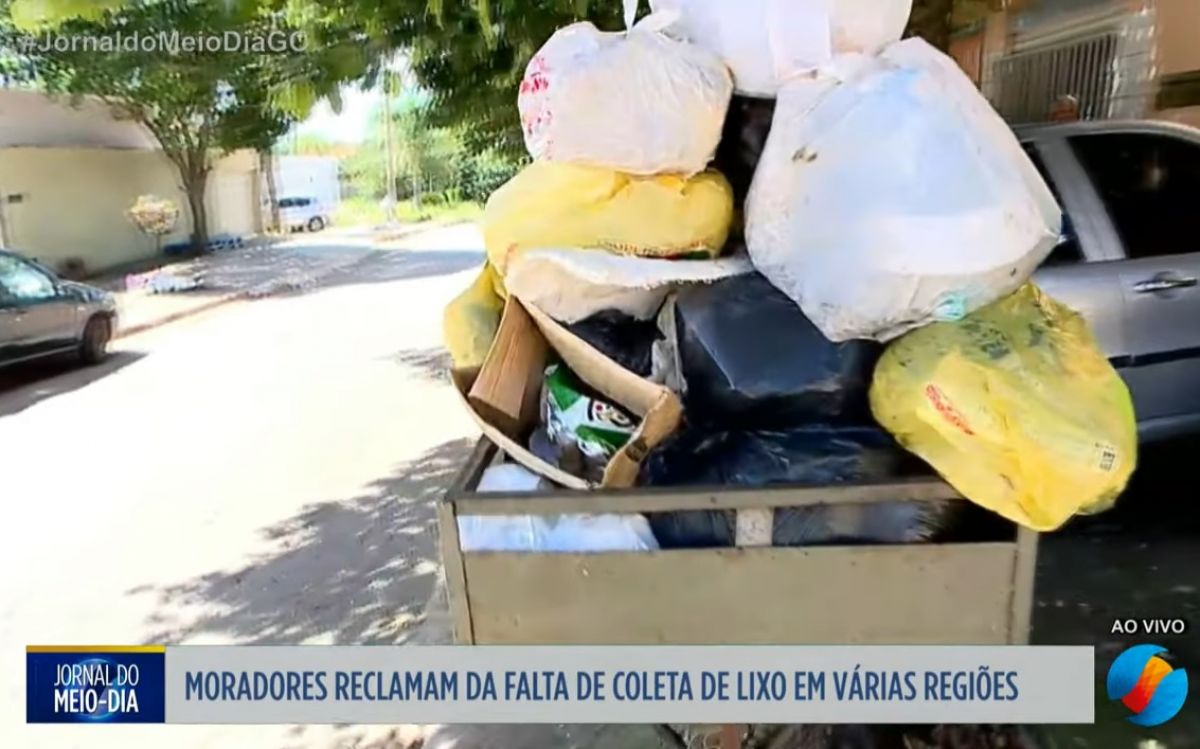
[(765, 42), (547, 533), (636, 102), (570, 285), (891, 195)]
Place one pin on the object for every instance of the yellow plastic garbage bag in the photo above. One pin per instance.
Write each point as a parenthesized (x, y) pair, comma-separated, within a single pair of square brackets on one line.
[(1015, 406), (552, 205), (470, 321)]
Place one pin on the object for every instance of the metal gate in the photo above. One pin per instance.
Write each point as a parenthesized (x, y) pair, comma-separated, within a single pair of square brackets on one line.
[(1109, 73), (1026, 84)]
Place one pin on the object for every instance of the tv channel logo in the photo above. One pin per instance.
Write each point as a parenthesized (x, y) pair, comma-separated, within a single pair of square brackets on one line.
[(1152, 689)]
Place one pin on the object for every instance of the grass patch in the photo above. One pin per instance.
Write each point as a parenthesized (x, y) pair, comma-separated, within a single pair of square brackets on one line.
[(367, 212)]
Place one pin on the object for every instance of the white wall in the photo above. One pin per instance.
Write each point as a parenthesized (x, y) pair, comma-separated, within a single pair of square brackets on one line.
[(59, 203), (308, 176), (29, 118)]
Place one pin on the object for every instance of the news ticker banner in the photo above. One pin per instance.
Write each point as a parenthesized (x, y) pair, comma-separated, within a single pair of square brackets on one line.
[(664, 684)]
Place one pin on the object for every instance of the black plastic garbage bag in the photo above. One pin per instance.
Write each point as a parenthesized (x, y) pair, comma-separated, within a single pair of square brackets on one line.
[(751, 359), (811, 455), (747, 125), (622, 338)]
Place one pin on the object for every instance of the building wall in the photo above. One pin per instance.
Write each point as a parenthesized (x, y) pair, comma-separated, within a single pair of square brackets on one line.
[(30, 118), (60, 203), (1179, 60), (1178, 36)]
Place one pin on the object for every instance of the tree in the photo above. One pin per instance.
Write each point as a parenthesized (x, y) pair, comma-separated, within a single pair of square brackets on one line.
[(197, 102), (469, 55)]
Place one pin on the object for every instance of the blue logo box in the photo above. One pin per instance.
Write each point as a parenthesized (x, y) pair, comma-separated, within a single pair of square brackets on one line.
[(95, 684)]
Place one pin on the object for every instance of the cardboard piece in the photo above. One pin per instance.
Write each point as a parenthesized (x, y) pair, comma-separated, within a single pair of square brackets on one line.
[(503, 396)]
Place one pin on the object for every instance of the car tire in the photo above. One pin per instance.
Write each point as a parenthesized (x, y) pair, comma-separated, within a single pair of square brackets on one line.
[(316, 223), (93, 348)]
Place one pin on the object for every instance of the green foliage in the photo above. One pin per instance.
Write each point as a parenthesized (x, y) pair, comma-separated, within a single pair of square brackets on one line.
[(361, 211), (469, 55), (30, 15), (430, 158)]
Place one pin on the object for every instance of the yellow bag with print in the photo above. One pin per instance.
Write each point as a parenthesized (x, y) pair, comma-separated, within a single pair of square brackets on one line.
[(1016, 406), (471, 319), (553, 205)]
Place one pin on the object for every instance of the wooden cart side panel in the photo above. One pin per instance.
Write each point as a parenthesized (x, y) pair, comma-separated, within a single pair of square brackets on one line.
[(1024, 572), (951, 594), (468, 478), (456, 581), (683, 500)]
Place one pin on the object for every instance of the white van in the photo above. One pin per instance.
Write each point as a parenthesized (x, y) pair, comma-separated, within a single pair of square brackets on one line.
[(300, 213)]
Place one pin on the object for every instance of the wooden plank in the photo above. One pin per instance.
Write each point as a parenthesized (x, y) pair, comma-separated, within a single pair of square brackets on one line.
[(720, 498), (1024, 572), (456, 581), (472, 471), (937, 594)]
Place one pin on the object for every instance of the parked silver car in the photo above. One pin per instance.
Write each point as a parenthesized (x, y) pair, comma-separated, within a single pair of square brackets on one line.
[(1131, 259), (42, 315)]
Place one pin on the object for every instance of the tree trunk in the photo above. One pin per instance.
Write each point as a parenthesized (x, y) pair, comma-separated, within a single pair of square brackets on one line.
[(267, 160), (194, 185)]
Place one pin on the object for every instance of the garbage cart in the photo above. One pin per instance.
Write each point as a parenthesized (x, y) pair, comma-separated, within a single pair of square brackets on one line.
[(936, 593)]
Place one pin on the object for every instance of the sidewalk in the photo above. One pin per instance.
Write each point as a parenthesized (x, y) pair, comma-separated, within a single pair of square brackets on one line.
[(229, 275)]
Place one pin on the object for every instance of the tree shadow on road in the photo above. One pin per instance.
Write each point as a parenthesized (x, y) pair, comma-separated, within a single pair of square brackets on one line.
[(383, 266), (346, 571), (27, 385), (430, 363)]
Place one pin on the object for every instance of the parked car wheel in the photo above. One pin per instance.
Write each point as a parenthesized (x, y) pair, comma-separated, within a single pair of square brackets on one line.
[(93, 348), (316, 223)]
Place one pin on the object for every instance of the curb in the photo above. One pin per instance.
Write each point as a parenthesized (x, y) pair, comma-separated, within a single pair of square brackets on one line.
[(257, 292), (124, 332)]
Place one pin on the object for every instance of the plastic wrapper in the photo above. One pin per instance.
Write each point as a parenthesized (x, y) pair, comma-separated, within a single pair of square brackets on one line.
[(1016, 406), (751, 359), (812, 456), (551, 205), (547, 533), (582, 431), (621, 338), (891, 195), (766, 42)]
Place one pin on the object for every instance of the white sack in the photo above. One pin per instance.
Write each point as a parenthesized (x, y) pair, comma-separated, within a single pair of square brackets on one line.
[(636, 102), (572, 285), (766, 42), (892, 195), (553, 533)]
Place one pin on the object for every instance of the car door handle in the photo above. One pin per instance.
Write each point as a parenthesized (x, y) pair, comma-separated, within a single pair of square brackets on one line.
[(1163, 284)]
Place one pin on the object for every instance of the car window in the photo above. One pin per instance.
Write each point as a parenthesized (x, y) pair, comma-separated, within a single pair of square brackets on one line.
[(1068, 250), (23, 282), (1151, 186)]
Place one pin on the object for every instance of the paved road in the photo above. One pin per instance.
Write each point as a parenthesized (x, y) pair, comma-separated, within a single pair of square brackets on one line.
[(260, 473)]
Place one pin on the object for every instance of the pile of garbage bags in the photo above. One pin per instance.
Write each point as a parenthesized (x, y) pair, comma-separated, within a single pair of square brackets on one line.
[(817, 242)]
